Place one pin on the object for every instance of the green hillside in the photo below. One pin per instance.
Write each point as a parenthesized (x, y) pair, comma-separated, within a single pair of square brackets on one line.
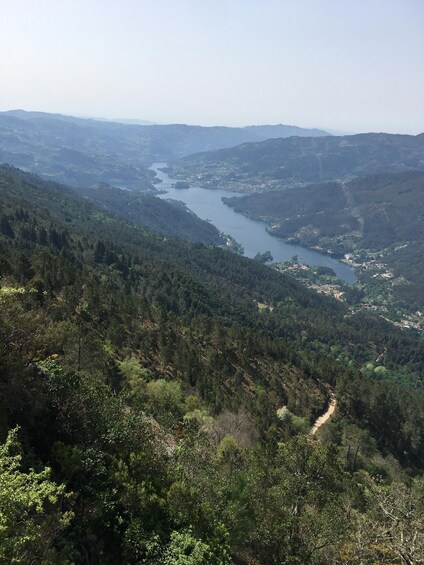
[(379, 213), (162, 392), (167, 217), (281, 163)]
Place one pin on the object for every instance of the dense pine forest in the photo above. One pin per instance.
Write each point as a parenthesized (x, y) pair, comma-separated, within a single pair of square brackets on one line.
[(157, 398), (167, 217)]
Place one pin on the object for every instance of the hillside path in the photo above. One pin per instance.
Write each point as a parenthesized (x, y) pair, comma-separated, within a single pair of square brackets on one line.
[(326, 416)]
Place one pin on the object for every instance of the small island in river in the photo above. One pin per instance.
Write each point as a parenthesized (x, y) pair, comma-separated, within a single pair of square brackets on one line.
[(181, 184)]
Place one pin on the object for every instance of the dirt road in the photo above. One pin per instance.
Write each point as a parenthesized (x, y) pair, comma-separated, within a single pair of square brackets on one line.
[(326, 416)]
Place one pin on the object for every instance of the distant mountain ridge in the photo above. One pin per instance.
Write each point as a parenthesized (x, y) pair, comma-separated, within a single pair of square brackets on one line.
[(279, 163), (262, 131), (83, 151)]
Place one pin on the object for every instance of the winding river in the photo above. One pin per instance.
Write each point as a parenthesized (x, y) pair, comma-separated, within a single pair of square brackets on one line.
[(251, 234)]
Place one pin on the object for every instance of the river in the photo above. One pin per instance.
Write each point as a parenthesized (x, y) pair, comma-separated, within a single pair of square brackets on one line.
[(251, 234)]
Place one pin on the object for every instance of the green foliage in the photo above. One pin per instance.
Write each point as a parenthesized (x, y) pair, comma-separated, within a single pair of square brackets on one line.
[(292, 424), (300, 512), (31, 516), (185, 549), (228, 453), (263, 257), (135, 375), (164, 399)]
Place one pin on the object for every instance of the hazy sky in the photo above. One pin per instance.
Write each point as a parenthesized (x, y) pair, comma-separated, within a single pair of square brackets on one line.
[(355, 65)]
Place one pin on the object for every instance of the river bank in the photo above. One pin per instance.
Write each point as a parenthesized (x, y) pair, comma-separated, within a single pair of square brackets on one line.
[(251, 234)]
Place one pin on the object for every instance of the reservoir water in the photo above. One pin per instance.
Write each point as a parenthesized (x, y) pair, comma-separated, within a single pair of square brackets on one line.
[(251, 234)]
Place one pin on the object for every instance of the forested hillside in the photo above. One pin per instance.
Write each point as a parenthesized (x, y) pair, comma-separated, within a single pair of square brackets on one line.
[(157, 396), (81, 152), (379, 213), (281, 163), (167, 217)]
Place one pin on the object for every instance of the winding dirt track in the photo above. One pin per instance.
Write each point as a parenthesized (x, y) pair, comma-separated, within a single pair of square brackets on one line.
[(326, 416)]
